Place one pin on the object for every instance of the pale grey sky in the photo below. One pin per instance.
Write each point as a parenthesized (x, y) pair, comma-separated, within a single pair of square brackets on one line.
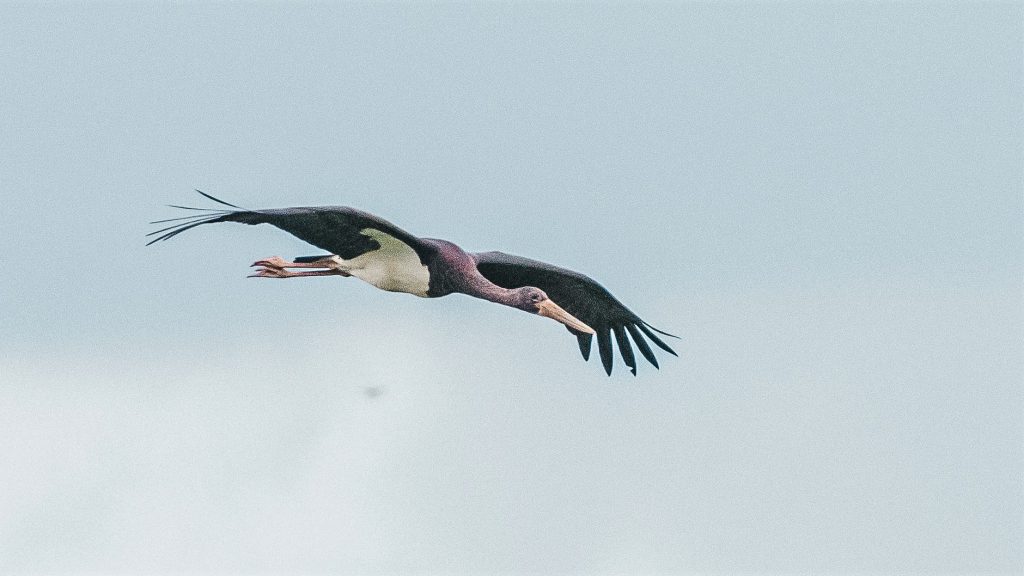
[(823, 200)]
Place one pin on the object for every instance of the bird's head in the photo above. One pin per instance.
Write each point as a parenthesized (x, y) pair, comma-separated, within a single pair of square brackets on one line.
[(535, 301)]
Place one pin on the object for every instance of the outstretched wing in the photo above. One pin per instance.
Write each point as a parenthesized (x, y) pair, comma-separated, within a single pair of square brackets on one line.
[(336, 229), (582, 297)]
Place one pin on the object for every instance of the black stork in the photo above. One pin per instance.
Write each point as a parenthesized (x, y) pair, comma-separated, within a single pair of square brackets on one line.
[(382, 254)]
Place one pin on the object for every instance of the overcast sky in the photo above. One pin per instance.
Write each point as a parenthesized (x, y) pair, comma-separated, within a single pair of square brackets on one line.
[(824, 201)]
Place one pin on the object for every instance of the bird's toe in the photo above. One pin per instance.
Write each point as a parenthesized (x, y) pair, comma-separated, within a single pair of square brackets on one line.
[(265, 272), (272, 262)]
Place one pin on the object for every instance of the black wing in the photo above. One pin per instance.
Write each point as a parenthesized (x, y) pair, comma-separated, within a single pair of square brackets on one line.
[(335, 229), (582, 297)]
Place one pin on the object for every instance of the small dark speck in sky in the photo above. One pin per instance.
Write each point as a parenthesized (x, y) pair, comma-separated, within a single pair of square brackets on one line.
[(372, 392)]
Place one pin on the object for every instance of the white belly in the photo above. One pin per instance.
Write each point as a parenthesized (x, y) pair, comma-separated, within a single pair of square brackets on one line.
[(394, 266)]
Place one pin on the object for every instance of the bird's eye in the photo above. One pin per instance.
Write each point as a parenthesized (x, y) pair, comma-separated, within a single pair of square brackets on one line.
[(535, 297)]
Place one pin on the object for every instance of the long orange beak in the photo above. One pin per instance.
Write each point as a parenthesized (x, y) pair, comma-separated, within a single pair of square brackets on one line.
[(549, 309)]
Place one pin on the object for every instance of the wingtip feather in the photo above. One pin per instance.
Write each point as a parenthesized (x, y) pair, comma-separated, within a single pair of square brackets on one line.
[(641, 344), (218, 200), (625, 349), (654, 338), (585, 341), (662, 332), (604, 346)]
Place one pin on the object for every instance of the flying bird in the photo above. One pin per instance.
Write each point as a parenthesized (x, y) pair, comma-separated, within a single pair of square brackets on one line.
[(372, 249)]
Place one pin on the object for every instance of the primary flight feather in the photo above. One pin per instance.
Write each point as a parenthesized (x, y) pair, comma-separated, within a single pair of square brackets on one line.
[(374, 250)]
